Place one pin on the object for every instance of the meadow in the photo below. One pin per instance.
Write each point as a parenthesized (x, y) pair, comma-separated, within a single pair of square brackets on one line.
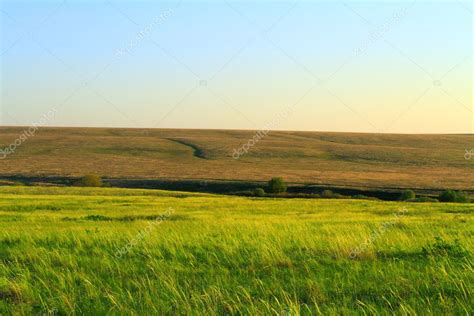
[(335, 159), (75, 251)]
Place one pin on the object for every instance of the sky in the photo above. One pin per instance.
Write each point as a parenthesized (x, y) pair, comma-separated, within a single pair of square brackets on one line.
[(351, 66)]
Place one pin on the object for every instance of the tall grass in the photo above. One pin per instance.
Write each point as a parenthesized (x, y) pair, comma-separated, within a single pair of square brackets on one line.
[(229, 255)]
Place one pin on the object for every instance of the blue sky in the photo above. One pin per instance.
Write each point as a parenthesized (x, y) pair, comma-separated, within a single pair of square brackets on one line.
[(377, 66)]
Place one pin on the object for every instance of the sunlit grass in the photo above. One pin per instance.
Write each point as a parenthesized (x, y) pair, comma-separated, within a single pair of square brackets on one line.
[(217, 254)]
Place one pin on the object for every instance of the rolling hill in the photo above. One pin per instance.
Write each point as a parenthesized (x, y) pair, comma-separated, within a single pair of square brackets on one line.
[(340, 159)]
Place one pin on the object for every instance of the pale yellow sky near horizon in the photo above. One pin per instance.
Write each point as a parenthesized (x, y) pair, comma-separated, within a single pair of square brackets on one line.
[(393, 67)]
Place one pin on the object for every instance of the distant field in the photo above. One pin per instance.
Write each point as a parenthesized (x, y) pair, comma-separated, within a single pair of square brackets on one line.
[(367, 160), (73, 251)]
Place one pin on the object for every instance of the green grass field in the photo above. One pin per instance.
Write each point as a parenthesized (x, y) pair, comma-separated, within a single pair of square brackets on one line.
[(134, 252)]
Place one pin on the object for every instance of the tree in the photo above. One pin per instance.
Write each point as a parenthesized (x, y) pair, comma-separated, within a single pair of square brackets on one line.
[(90, 180), (454, 196), (259, 192), (277, 185), (447, 196), (407, 195)]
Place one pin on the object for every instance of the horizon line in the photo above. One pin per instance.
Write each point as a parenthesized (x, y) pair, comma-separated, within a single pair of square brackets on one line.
[(228, 129)]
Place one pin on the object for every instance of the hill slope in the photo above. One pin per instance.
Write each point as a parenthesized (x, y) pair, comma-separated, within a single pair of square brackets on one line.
[(370, 160)]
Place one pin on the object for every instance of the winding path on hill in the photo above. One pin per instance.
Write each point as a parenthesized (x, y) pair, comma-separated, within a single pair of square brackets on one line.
[(197, 151)]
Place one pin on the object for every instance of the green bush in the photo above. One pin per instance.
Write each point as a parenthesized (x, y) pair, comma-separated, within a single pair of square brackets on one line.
[(277, 185), (462, 197), (448, 196), (454, 196), (327, 194), (90, 180), (259, 192), (407, 195)]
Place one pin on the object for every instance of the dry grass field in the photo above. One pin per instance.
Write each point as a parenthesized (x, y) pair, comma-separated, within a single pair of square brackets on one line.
[(348, 159)]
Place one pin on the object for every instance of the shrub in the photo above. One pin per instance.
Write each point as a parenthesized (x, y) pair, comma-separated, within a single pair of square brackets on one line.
[(327, 194), (462, 197), (407, 195), (277, 185), (447, 196), (454, 196), (90, 180), (259, 192)]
